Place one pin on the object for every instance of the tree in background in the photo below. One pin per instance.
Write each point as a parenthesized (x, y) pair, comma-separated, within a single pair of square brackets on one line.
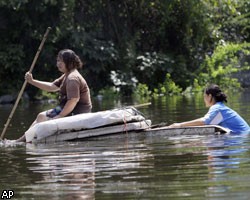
[(123, 43)]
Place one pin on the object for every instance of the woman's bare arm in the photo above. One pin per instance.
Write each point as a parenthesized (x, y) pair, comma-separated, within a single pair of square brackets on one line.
[(43, 85), (68, 108), (196, 122)]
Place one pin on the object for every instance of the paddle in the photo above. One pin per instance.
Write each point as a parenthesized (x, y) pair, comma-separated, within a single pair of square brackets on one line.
[(25, 83)]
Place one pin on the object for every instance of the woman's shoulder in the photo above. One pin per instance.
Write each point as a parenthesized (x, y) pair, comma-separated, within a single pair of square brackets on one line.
[(74, 75), (220, 106)]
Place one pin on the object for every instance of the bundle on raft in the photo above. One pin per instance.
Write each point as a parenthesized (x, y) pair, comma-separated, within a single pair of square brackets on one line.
[(88, 125)]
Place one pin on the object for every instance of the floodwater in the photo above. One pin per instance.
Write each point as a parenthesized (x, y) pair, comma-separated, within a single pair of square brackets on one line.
[(130, 167)]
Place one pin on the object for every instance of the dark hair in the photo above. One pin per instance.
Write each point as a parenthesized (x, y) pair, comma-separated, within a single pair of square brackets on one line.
[(71, 60), (216, 93)]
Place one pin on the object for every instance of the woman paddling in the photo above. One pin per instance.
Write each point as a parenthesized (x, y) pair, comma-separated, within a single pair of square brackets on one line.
[(74, 92), (218, 113)]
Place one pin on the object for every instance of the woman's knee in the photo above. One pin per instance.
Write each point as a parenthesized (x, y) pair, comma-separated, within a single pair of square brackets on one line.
[(41, 117)]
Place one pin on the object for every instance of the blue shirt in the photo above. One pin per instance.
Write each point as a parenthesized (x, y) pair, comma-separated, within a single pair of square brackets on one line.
[(219, 114)]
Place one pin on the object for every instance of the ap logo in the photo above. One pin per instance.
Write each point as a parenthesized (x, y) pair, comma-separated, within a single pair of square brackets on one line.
[(7, 194)]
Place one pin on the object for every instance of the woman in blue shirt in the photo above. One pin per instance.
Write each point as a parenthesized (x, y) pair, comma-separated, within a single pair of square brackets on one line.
[(218, 113)]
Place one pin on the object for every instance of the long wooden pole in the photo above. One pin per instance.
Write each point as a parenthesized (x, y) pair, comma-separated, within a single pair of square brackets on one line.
[(140, 105), (25, 83)]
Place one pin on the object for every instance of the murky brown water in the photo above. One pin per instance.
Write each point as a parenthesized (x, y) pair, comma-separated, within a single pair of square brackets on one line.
[(130, 167)]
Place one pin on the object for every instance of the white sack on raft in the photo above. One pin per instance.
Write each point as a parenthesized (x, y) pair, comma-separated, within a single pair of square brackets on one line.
[(83, 121)]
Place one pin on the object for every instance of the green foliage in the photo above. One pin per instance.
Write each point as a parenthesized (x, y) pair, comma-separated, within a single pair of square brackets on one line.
[(142, 92), (10, 59), (226, 60), (108, 93), (153, 65), (13, 4), (232, 17), (196, 87), (167, 87), (124, 43)]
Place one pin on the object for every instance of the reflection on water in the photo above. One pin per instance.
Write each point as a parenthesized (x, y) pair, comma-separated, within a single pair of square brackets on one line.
[(226, 156), (64, 174), (131, 167), (71, 173), (138, 167)]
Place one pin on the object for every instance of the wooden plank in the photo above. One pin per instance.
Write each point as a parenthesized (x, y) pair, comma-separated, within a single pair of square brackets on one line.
[(133, 128), (192, 130)]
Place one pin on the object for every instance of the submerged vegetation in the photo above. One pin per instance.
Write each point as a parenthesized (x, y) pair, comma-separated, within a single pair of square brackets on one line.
[(142, 48)]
